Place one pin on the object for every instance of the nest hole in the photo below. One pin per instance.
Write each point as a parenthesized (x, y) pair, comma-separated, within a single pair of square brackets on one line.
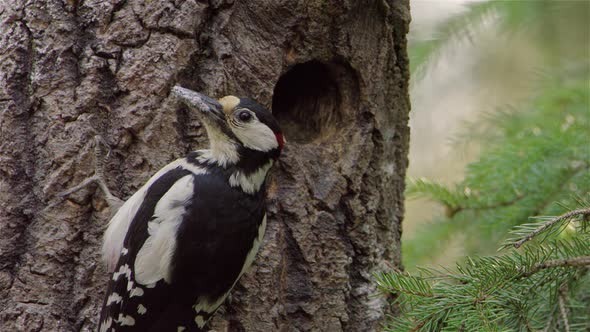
[(306, 102)]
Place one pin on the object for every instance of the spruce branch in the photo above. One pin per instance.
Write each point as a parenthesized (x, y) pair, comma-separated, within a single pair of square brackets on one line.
[(549, 322), (534, 162), (562, 309), (418, 326), (566, 262), (488, 287), (566, 216)]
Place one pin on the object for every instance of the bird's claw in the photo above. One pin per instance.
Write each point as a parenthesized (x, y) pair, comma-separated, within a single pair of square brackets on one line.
[(113, 201)]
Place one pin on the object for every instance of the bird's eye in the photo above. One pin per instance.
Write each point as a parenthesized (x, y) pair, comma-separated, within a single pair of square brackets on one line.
[(245, 116)]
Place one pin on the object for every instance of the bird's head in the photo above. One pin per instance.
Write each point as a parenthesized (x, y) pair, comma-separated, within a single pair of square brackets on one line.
[(235, 125)]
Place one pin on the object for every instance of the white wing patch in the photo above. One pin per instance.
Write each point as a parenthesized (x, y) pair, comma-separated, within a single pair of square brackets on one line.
[(123, 270), (250, 183), (134, 291), (119, 225), (106, 324), (125, 320), (114, 298), (155, 256)]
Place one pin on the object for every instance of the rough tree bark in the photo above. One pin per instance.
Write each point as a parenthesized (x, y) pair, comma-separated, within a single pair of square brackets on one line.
[(336, 75)]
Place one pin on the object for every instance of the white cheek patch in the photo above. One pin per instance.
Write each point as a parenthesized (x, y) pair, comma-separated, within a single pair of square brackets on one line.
[(256, 136)]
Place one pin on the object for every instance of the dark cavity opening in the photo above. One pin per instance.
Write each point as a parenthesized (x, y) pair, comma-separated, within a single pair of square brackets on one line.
[(306, 102)]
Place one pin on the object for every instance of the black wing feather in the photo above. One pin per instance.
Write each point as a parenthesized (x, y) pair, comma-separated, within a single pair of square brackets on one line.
[(134, 240), (216, 236)]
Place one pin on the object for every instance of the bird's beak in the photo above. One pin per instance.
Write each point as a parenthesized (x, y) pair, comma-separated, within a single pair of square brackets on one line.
[(206, 105)]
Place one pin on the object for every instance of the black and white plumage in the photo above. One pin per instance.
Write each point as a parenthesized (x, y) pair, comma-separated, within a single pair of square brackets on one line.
[(181, 242)]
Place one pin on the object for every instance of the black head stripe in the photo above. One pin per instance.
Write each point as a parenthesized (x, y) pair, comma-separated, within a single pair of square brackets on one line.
[(263, 114)]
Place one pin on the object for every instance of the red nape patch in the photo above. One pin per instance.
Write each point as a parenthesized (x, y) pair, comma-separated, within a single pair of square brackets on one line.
[(280, 140)]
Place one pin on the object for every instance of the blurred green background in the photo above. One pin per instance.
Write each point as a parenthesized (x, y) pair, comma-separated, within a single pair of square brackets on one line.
[(500, 117)]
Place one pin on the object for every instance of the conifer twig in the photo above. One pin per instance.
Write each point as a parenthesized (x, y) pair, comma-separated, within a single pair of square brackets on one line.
[(549, 223), (549, 322), (575, 261), (562, 309)]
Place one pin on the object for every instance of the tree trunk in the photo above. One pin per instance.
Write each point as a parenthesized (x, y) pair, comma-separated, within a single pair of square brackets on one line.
[(336, 75)]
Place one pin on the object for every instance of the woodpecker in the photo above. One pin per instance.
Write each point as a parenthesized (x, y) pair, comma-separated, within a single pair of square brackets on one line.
[(178, 245)]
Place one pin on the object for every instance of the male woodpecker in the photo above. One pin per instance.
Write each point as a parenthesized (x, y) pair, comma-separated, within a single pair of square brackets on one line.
[(181, 242)]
